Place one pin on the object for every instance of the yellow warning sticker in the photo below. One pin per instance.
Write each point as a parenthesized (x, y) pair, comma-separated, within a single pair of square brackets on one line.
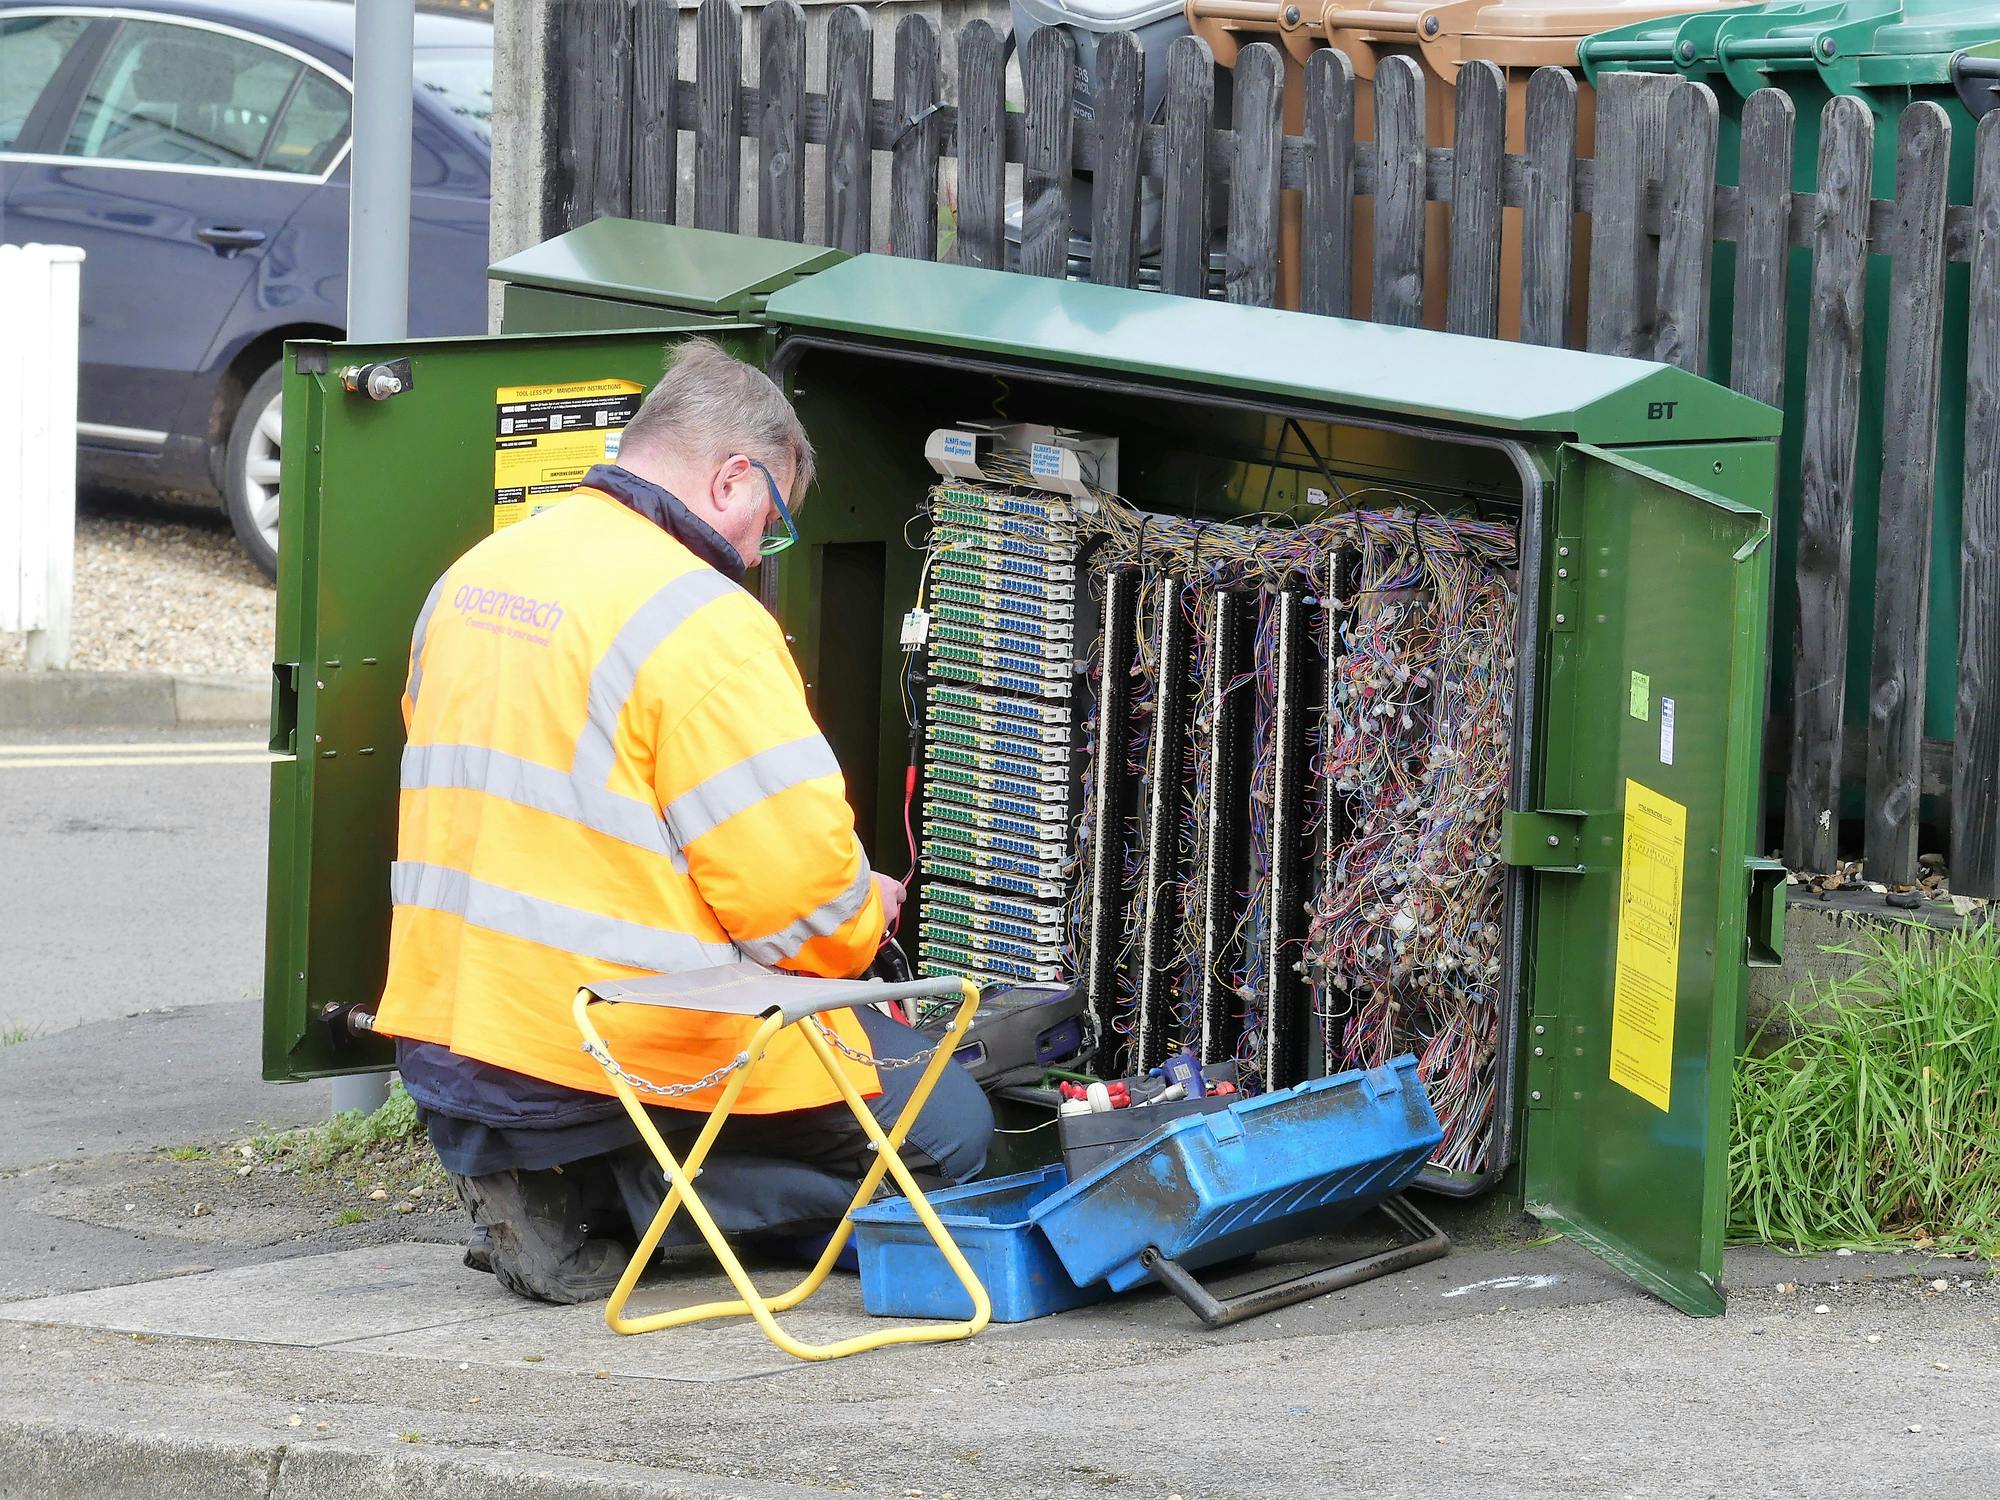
[(1649, 944), (547, 437)]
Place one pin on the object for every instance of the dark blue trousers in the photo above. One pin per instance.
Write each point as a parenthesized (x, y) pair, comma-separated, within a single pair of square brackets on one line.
[(560, 1234)]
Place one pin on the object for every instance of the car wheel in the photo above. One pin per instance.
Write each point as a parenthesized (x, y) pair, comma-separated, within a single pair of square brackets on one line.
[(250, 472)]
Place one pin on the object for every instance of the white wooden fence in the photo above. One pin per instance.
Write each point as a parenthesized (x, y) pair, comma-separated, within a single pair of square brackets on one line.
[(38, 355)]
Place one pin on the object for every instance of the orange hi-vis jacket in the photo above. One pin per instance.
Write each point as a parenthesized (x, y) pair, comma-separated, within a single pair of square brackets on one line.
[(611, 771)]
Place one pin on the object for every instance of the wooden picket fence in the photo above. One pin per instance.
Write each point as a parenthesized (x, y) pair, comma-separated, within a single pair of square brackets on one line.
[(1655, 211)]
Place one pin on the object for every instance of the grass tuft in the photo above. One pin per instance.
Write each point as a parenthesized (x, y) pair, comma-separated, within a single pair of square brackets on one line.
[(1878, 1121), (13, 1035), (348, 1136)]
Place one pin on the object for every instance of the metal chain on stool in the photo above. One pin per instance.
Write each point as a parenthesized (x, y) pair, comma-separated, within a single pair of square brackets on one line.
[(880, 1064), (714, 1077), (669, 1090)]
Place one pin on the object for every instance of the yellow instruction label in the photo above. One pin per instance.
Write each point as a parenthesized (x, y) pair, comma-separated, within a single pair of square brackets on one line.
[(1649, 944), (547, 437)]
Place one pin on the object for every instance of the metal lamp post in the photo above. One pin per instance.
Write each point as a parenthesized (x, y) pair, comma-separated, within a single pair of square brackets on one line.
[(378, 252)]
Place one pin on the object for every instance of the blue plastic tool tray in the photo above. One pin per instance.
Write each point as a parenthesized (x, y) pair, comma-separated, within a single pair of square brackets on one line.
[(903, 1275), (1275, 1167), (1207, 1188)]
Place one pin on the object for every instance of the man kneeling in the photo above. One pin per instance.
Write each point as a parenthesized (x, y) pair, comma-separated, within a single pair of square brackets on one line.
[(612, 771)]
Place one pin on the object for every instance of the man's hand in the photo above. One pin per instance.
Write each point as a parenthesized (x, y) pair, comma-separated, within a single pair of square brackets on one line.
[(891, 892)]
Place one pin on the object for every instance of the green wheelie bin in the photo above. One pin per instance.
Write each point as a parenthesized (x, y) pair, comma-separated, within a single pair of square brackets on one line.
[(1889, 54), (1975, 73)]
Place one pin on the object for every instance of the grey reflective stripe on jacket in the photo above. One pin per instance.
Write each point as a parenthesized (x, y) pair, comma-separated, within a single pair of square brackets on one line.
[(550, 923), (740, 787), (582, 793), (417, 637), (823, 921), (617, 672), (543, 788)]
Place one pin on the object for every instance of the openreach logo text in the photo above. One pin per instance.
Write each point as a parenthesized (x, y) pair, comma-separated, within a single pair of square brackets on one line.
[(508, 613)]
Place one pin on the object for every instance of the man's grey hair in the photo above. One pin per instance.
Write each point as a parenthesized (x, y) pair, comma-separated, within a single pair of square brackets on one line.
[(710, 404)]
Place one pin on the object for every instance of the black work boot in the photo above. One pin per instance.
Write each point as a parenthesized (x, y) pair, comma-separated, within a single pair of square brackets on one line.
[(538, 1241)]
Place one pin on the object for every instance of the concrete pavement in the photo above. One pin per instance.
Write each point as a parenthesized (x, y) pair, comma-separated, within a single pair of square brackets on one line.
[(170, 1359), (1611, 1396)]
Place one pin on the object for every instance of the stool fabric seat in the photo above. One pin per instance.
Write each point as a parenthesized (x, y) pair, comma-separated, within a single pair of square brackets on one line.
[(747, 989)]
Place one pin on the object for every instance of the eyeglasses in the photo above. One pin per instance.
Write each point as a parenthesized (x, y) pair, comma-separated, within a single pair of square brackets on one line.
[(771, 546)]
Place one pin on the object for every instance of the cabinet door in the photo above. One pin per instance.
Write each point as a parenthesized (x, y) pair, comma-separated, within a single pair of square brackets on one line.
[(380, 498), (1654, 645)]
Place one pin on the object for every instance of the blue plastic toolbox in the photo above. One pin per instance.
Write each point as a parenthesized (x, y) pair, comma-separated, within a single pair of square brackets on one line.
[(903, 1275), (1272, 1168), (1207, 1188)]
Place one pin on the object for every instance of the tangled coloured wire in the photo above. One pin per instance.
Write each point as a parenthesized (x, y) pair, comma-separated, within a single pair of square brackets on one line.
[(1402, 942), (1406, 932)]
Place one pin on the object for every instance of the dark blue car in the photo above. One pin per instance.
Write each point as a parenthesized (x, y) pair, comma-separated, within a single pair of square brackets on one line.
[(197, 151)]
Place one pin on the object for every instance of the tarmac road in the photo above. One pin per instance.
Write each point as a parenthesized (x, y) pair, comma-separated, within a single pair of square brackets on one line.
[(134, 873), (132, 885)]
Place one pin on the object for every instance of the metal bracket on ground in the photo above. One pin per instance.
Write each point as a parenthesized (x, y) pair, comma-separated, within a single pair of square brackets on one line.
[(1421, 1241)]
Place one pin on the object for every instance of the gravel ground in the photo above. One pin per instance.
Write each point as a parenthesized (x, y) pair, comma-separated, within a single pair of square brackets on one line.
[(164, 590), (238, 1194)]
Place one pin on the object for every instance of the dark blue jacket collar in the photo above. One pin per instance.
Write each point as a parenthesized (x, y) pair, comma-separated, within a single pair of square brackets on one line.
[(664, 509)]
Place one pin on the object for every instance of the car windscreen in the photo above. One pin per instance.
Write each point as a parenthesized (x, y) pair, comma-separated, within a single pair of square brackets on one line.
[(461, 79)]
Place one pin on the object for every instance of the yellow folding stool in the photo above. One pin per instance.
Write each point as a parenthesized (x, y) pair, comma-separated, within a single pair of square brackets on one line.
[(777, 1001)]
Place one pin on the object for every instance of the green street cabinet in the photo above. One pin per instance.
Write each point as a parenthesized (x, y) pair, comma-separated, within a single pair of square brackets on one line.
[(1639, 497)]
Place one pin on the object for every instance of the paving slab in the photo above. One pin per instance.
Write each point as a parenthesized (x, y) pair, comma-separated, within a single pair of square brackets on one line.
[(419, 1302), (311, 1301), (416, 1300), (91, 1103), (575, 1339)]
